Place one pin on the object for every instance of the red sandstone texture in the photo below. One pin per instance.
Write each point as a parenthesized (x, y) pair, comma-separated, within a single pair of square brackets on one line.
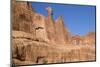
[(37, 39)]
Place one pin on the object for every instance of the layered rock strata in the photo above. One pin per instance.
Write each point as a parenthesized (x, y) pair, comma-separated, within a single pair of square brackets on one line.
[(37, 39)]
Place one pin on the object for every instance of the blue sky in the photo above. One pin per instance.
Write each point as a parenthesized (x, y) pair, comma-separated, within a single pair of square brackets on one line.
[(78, 19)]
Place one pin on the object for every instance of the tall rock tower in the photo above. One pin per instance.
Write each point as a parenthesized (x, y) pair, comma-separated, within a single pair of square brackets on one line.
[(50, 25), (61, 31)]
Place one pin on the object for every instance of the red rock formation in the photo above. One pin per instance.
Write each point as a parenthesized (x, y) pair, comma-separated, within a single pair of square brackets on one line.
[(50, 26), (34, 38), (77, 40), (22, 16), (89, 39), (27, 20), (61, 32), (40, 27)]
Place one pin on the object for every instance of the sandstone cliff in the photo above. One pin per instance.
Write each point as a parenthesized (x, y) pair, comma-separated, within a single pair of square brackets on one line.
[(22, 16), (37, 39), (89, 39), (61, 32), (50, 25)]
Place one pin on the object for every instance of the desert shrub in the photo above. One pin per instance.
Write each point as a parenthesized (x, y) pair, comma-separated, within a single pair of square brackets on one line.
[(45, 61)]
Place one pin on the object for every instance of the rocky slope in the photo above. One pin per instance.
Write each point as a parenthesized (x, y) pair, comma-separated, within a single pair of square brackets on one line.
[(37, 39)]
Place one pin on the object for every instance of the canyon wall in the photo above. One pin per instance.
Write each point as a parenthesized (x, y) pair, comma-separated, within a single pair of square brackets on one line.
[(39, 39)]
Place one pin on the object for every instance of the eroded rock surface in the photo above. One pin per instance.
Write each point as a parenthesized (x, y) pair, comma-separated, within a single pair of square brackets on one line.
[(37, 39)]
